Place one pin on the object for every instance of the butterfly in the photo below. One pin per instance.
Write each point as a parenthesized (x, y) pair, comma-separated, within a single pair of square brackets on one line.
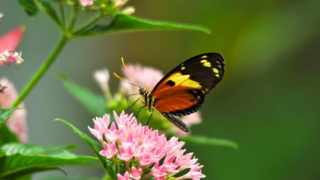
[(182, 91)]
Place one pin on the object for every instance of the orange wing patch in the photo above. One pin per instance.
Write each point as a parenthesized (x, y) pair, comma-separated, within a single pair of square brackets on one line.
[(178, 99)]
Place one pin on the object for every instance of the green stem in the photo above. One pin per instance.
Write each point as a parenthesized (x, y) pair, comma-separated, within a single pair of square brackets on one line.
[(42, 70), (74, 18), (89, 23), (63, 14)]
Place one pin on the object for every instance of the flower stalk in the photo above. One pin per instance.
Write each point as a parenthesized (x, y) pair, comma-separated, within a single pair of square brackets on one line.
[(42, 70)]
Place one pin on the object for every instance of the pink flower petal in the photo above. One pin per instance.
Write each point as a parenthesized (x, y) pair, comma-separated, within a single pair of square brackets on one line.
[(12, 39), (136, 173), (124, 177)]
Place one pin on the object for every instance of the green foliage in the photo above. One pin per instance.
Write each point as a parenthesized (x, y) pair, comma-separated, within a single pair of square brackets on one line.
[(94, 145), (29, 7), (93, 102), (127, 23), (6, 136), (47, 8), (5, 114), (21, 159), (201, 140)]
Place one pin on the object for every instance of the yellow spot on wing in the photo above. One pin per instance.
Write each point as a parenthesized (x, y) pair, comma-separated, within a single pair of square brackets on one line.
[(217, 75), (205, 56), (205, 63), (183, 68), (215, 70), (184, 80)]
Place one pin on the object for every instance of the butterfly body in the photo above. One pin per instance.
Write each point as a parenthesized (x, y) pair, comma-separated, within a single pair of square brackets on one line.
[(182, 91)]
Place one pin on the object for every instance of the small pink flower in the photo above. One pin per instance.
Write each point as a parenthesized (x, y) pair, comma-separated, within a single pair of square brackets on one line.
[(109, 150), (17, 121), (126, 153), (124, 177), (100, 125), (146, 148), (158, 171), (86, 2), (10, 56), (8, 43), (136, 173), (147, 78), (113, 133)]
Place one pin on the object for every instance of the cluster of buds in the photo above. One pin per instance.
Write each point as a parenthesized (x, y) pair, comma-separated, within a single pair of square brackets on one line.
[(142, 149), (111, 5), (10, 56)]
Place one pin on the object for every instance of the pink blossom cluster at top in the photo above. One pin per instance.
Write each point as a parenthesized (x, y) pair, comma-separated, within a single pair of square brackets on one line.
[(8, 43), (127, 140), (148, 77)]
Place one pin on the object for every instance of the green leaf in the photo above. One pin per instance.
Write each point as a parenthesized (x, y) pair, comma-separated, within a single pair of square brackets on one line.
[(93, 102), (29, 7), (69, 178), (46, 7), (127, 23), (94, 145), (5, 114), (6, 136), (23, 159), (201, 140)]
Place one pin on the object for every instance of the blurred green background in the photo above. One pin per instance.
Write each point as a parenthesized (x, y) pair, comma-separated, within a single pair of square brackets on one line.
[(268, 101)]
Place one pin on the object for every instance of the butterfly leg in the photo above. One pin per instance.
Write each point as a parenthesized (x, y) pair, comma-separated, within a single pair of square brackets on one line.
[(151, 111), (139, 111), (127, 98), (129, 107)]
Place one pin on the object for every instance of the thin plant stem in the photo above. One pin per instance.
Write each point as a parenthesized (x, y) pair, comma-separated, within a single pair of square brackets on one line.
[(57, 21), (89, 23), (63, 14), (42, 70), (74, 18)]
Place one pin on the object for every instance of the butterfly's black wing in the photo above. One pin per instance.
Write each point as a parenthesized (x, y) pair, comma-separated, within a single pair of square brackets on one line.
[(182, 90)]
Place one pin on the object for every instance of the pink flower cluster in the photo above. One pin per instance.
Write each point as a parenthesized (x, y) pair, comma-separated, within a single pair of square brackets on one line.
[(127, 140), (8, 43), (148, 77)]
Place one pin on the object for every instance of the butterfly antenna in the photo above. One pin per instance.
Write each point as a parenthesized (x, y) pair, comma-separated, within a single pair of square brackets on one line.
[(119, 77), (125, 67)]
